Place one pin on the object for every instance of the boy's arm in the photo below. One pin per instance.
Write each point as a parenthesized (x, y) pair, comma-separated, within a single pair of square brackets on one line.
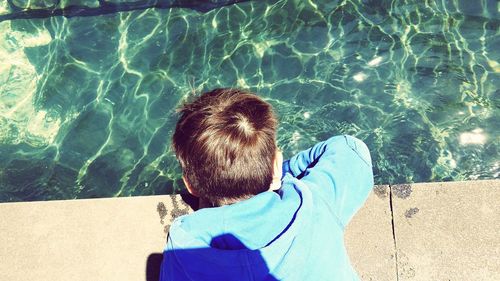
[(339, 170)]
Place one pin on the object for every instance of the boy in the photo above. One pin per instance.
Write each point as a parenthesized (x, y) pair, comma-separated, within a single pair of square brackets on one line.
[(269, 220)]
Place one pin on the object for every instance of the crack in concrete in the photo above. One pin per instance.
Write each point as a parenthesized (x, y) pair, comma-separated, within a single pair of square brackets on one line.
[(394, 233)]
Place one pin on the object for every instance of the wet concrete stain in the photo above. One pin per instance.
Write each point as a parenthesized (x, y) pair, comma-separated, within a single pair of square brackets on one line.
[(179, 208), (381, 191), (411, 212), (402, 191), (162, 211)]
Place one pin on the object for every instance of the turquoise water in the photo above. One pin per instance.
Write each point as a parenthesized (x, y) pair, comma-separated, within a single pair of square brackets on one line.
[(87, 102)]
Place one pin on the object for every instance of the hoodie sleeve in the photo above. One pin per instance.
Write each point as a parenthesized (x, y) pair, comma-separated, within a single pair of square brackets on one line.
[(339, 170)]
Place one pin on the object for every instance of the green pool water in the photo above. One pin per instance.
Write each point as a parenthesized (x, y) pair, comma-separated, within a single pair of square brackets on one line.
[(87, 103)]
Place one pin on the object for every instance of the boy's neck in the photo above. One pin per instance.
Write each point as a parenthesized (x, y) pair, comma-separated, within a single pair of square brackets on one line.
[(204, 203)]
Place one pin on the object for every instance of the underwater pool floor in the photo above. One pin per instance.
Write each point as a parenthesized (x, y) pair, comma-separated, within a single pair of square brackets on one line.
[(87, 104)]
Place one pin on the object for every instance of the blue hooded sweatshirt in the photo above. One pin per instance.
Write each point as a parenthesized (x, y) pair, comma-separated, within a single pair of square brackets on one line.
[(296, 233)]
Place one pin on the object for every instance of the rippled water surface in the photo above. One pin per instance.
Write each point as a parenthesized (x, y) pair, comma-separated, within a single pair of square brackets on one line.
[(87, 99)]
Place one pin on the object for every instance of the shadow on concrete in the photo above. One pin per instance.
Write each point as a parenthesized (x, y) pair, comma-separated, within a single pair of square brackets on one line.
[(191, 200), (153, 265)]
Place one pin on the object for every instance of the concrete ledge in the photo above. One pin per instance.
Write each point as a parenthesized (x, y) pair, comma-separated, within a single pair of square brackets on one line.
[(447, 231), (436, 231), (369, 239)]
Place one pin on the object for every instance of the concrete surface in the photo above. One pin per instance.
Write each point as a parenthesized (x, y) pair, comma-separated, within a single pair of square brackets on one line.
[(438, 231), (102, 239), (369, 240), (447, 231)]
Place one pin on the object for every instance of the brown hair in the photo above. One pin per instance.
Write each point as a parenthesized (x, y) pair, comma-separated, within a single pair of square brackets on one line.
[(225, 141)]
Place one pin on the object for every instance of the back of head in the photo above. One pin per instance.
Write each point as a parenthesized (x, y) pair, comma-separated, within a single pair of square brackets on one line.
[(225, 141)]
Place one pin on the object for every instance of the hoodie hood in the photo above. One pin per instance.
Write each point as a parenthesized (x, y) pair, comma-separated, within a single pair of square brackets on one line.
[(248, 239)]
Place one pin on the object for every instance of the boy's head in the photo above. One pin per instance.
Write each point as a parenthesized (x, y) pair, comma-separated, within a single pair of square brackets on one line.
[(225, 141)]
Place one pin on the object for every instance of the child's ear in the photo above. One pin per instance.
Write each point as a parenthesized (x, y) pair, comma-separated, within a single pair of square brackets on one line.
[(277, 170), (278, 163), (189, 187)]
